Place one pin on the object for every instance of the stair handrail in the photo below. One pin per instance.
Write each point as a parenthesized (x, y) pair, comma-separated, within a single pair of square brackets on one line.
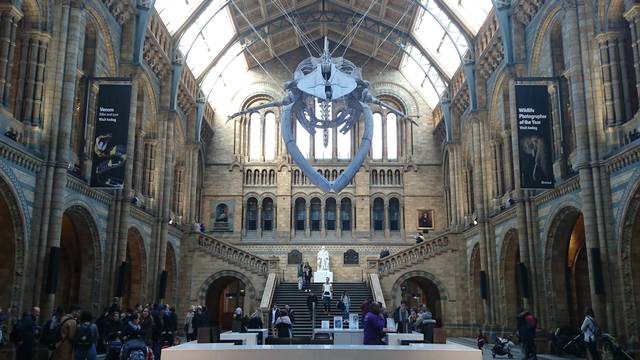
[(414, 254), (233, 254), (376, 289), (269, 291)]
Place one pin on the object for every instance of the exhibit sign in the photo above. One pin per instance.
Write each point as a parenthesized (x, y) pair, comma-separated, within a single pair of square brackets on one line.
[(534, 136), (109, 153)]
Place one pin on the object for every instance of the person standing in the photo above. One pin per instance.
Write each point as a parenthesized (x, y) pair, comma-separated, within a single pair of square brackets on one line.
[(27, 330), (346, 304), (308, 274), (401, 317), (64, 348), (86, 338), (146, 326), (283, 324), (274, 314), (591, 331), (188, 326), (300, 276), (527, 324), (373, 326), (327, 293)]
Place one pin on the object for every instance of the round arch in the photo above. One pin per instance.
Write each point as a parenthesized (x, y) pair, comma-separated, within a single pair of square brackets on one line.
[(80, 260), (566, 268), (424, 288), (509, 259), (224, 290), (477, 305), (12, 246), (629, 258), (135, 290)]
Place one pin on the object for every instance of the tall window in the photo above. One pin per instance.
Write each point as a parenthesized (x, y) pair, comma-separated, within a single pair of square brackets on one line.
[(252, 214), (300, 214), (344, 145), (378, 214), (394, 214), (376, 142), (330, 214), (345, 214), (270, 137), (303, 139), (392, 136), (315, 211), (254, 137), (323, 138), (267, 214)]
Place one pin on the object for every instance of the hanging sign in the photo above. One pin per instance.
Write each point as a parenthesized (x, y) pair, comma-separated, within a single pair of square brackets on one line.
[(111, 136), (534, 137)]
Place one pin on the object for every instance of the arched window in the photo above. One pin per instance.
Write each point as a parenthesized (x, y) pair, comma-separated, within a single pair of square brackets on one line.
[(392, 136), (303, 139), (390, 177), (272, 177), (345, 214), (254, 137), (270, 137), (248, 177), (315, 212), (344, 145), (394, 214), (374, 177), (256, 177), (376, 142), (398, 180), (378, 214), (383, 178), (252, 214), (300, 214), (263, 179), (330, 214), (267, 214)]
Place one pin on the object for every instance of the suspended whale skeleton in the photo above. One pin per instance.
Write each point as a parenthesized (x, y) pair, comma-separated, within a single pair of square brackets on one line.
[(332, 81)]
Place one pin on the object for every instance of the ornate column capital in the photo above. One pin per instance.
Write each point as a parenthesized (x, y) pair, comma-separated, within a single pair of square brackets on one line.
[(631, 15)]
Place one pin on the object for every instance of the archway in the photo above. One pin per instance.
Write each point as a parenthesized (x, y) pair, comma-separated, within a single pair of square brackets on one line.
[(568, 268), (417, 288), (223, 296), (77, 259), (135, 286), (170, 268), (476, 306), (512, 298), (629, 258), (11, 253)]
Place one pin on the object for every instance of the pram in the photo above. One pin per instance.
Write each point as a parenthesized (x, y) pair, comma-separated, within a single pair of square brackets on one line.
[(502, 347)]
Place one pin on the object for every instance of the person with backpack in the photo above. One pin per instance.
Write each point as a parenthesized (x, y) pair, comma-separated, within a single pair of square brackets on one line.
[(526, 325), (135, 348), (86, 338), (591, 331), (24, 334), (112, 334), (67, 330)]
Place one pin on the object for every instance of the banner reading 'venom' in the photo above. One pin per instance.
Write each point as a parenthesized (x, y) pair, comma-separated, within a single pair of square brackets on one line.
[(111, 136), (534, 137)]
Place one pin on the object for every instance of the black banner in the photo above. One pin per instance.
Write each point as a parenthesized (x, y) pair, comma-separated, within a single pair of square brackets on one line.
[(534, 137), (111, 136)]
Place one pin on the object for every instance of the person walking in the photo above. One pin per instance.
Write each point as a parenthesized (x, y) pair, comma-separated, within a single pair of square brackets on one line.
[(526, 325), (308, 274), (346, 304), (27, 331), (274, 314), (591, 331), (188, 326), (373, 326), (283, 324), (86, 338), (327, 293), (300, 276), (64, 348)]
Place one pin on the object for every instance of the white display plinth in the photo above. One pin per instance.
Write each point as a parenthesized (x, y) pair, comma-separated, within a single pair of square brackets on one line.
[(397, 338), (321, 276), (247, 338)]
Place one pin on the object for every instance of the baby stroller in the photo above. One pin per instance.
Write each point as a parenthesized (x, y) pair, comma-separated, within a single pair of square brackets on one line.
[(502, 347)]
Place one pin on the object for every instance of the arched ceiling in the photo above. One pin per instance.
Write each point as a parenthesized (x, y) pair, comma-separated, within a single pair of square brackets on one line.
[(425, 39)]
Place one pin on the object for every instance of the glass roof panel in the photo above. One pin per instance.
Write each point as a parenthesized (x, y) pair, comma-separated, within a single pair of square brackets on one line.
[(473, 12), (208, 35), (232, 67), (175, 12), (429, 87)]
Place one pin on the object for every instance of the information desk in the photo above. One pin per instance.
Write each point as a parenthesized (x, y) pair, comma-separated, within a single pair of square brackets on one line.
[(342, 336), (195, 351), (247, 338), (397, 338), (263, 338)]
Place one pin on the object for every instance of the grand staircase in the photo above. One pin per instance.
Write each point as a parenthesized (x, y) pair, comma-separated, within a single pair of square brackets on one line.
[(288, 294)]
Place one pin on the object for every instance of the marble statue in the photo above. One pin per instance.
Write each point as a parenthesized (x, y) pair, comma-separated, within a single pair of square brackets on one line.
[(323, 260)]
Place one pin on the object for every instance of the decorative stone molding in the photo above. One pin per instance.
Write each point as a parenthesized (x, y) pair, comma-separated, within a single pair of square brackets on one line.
[(122, 10), (19, 157), (83, 188), (413, 255), (233, 255), (562, 189)]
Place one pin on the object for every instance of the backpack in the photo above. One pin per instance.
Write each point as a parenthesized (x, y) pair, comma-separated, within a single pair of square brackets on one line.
[(595, 329), (532, 322), (52, 335), (84, 336), (137, 353)]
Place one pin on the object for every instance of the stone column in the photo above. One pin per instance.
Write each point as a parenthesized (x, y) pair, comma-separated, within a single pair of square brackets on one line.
[(259, 220), (138, 166), (633, 18), (323, 228), (10, 15), (385, 220), (307, 219)]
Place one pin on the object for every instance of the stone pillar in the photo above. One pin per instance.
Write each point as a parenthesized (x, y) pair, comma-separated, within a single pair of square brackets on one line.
[(323, 228), (386, 219), (138, 166), (10, 15), (307, 219), (259, 220), (633, 18)]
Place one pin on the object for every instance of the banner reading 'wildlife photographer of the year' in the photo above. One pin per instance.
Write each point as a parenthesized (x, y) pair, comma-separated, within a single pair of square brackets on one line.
[(534, 136), (111, 136)]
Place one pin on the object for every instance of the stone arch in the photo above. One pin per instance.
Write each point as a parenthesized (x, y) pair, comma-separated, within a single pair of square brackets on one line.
[(398, 92), (212, 288), (509, 259), (476, 305), (613, 15), (629, 258), (434, 293), (12, 246), (171, 267), (80, 260), (566, 268), (551, 15), (135, 289)]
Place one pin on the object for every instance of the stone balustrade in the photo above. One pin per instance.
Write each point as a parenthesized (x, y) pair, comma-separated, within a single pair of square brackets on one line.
[(413, 255), (233, 255)]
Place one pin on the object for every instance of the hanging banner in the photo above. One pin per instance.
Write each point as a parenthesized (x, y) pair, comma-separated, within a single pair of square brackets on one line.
[(534, 136), (111, 136)]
